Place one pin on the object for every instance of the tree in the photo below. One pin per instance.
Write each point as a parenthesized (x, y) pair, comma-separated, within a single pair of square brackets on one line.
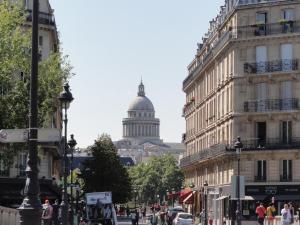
[(156, 177), (104, 172), (15, 55)]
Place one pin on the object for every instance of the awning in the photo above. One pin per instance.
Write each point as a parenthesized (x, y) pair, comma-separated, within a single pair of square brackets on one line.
[(184, 194), (189, 199), (246, 198), (222, 197)]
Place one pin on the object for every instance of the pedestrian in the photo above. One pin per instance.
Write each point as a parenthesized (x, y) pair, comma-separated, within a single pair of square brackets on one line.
[(271, 214), (133, 217), (260, 211), (285, 215), (154, 218), (55, 212), (163, 217), (127, 211), (47, 213), (137, 217), (107, 215), (82, 221), (292, 211)]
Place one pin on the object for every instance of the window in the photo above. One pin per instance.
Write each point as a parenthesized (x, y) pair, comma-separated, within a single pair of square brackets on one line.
[(287, 21), (261, 20), (287, 57), (41, 40), (261, 59), (261, 96), (261, 134), (286, 132), (4, 171), (286, 170), (261, 170), (22, 164)]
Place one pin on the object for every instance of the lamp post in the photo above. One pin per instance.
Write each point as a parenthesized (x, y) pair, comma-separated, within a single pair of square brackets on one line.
[(238, 148), (65, 98), (135, 191), (31, 209), (173, 196), (72, 143), (205, 202)]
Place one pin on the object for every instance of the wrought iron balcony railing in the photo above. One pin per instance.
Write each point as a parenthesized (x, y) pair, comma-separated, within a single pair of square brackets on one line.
[(4, 173), (266, 29), (268, 105), (271, 66), (260, 178), (269, 144), (248, 146), (286, 177), (44, 18)]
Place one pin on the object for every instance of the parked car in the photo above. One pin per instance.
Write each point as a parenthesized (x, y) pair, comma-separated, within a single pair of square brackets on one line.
[(171, 214), (183, 219)]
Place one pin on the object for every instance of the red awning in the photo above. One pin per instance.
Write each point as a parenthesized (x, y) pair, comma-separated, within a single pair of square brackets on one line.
[(189, 199), (184, 194)]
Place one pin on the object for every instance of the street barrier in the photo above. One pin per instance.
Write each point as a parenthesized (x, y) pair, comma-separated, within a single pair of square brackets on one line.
[(9, 216)]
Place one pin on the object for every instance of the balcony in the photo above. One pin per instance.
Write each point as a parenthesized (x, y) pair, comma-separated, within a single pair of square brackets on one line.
[(270, 144), (286, 178), (271, 66), (44, 18), (260, 178), (267, 29), (269, 105), (211, 152)]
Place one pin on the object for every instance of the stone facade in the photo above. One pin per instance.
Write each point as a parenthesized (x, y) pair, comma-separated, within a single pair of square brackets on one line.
[(244, 81)]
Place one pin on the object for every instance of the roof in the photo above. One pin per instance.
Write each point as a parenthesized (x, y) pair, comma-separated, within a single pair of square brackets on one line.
[(126, 161), (141, 103)]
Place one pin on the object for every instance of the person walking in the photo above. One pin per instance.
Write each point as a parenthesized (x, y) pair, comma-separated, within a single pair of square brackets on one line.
[(292, 211), (285, 215), (55, 212), (133, 217), (137, 217), (271, 214), (107, 215), (47, 213), (260, 211)]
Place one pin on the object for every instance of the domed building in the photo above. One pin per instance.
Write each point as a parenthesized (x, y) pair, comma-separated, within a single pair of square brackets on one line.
[(141, 136), (141, 125)]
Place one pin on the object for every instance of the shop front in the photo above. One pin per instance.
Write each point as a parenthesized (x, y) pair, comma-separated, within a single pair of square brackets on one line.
[(278, 194)]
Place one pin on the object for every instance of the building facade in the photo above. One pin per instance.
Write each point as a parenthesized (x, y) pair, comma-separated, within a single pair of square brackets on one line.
[(12, 180), (141, 132), (244, 81)]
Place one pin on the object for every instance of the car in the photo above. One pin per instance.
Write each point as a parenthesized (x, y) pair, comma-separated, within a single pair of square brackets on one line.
[(183, 218), (171, 214)]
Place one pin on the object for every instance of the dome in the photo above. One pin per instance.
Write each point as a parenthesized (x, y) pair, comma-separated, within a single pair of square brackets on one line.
[(141, 103)]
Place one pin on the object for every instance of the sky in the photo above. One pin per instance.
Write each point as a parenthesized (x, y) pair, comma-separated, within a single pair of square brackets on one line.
[(113, 43)]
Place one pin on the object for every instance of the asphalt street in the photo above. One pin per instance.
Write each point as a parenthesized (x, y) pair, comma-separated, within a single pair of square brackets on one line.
[(129, 223)]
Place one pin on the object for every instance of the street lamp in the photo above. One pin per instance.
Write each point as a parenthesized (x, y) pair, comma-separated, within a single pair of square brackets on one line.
[(158, 199), (65, 98), (135, 191), (173, 196), (72, 143), (31, 208), (238, 148), (205, 202)]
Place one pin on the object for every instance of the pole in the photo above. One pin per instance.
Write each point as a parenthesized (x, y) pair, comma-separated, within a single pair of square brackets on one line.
[(72, 205), (64, 202), (31, 209), (238, 219), (205, 208)]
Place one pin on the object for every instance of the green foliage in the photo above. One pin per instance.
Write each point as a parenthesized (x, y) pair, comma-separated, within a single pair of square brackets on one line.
[(104, 172), (156, 177), (15, 61)]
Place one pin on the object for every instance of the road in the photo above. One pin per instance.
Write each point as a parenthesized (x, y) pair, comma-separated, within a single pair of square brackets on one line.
[(128, 223)]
